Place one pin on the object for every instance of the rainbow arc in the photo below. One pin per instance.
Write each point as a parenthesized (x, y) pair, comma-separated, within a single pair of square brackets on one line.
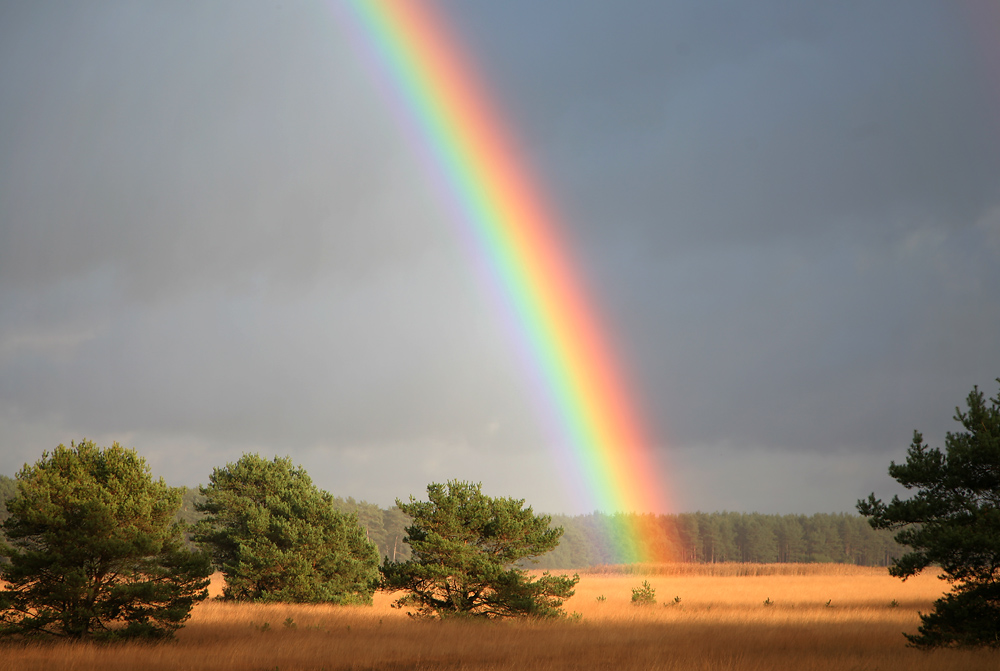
[(503, 208)]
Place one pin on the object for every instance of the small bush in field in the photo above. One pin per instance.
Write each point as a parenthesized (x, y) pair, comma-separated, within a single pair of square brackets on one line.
[(644, 595)]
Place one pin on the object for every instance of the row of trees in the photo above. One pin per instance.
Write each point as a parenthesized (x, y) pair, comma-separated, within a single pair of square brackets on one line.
[(96, 548)]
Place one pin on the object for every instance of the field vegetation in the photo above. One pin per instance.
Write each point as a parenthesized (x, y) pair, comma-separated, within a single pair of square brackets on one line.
[(817, 617)]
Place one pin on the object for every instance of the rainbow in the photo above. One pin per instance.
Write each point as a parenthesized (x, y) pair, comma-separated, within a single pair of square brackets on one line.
[(512, 226)]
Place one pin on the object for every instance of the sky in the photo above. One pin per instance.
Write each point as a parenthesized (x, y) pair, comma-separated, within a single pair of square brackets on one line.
[(218, 237)]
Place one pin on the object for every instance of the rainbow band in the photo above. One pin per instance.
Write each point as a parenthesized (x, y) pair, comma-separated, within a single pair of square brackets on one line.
[(520, 238)]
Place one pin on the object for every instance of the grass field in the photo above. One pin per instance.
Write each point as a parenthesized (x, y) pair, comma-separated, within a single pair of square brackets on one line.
[(818, 618)]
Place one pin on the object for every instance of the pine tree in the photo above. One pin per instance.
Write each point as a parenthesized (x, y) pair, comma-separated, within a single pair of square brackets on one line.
[(952, 522), (276, 537), (465, 546), (94, 551)]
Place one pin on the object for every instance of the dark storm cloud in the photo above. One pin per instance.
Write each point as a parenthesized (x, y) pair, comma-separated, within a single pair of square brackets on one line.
[(214, 238)]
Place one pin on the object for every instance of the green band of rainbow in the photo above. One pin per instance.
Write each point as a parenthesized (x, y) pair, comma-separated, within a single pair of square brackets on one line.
[(520, 237)]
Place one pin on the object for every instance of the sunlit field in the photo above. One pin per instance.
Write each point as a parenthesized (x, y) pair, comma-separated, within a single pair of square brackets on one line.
[(816, 617)]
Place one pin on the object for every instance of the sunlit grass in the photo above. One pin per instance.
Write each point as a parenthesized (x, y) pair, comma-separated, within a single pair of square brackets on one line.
[(720, 622)]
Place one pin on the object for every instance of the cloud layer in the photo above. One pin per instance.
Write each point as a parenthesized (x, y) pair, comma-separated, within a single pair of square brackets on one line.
[(216, 238)]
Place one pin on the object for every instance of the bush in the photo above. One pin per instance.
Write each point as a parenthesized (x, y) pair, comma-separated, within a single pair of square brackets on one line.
[(644, 595)]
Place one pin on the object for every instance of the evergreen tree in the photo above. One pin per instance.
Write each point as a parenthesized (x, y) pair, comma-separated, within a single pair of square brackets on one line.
[(94, 550), (276, 537), (727, 549), (396, 547), (788, 534), (759, 543), (8, 488), (690, 536), (465, 545), (953, 521)]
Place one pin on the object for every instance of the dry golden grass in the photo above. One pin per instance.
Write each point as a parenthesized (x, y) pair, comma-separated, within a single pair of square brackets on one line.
[(732, 569), (719, 623)]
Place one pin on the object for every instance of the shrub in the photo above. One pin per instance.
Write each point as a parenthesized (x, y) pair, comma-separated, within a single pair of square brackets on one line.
[(644, 595)]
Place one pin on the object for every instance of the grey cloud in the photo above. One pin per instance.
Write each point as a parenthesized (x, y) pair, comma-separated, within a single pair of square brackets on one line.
[(739, 122), (183, 146)]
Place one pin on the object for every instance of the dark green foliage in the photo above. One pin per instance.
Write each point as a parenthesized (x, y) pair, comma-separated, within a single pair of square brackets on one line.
[(8, 488), (953, 521), (276, 537), (465, 545), (969, 616), (94, 551)]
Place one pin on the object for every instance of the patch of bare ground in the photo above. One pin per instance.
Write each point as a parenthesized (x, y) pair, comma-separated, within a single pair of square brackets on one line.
[(814, 621)]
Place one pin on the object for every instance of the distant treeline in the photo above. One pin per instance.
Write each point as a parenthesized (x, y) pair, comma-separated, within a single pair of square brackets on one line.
[(595, 539)]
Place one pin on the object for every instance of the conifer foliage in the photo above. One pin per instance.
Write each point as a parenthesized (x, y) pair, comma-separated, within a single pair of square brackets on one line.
[(953, 522), (277, 537), (94, 551), (465, 545)]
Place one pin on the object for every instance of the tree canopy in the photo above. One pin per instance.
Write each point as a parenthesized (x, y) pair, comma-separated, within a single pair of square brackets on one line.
[(953, 521), (464, 546), (94, 551), (276, 537)]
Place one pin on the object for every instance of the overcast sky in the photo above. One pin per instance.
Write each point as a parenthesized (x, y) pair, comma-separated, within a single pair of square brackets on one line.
[(216, 237)]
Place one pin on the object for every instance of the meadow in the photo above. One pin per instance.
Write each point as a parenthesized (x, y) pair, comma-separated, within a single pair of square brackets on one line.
[(730, 617)]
